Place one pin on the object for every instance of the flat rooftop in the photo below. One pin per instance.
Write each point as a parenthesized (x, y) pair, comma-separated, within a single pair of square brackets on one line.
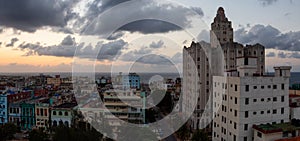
[(273, 128), (66, 105)]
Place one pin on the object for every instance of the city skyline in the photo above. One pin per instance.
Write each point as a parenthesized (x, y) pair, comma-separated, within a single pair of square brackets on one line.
[(36, 44)]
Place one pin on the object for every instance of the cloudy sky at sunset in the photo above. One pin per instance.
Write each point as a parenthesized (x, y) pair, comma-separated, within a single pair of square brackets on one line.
[(45, 35)]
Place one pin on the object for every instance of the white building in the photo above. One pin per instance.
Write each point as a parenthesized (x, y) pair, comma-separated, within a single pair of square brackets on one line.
[(63, 114), (124, 105), (249, 100), (200, 64)]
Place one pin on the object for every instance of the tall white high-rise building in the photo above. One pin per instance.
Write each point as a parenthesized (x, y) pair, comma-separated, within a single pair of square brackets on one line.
[(198, 67)]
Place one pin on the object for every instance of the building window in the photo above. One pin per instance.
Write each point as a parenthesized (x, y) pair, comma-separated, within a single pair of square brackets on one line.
[(262, 100), (235, 100), (37, 111), (66, 113), (235, 87), (54, 112), (282, 86), (274, 99), (246, 61), (46, 112), (262, 112), (234, 125), (254, 113), (247, 101), (269, 86), (262, 87), (245, 138), (247, 88), (60, 113), (282, 98), (246, 114), (246, 127), (274, 111), (254, 100), (259, 134), (282, 110), (274, 86), (235, 113), (254, 87)]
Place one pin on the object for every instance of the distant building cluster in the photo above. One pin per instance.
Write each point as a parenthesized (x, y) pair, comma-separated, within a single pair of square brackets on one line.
[(44, 102), (36, 101)]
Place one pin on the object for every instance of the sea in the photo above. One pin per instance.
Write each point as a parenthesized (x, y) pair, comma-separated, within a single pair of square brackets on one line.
[(145, 77)]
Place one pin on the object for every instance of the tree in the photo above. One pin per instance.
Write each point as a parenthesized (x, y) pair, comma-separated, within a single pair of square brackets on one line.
[(183, 132), (65, 133), (129, 133), (150, 115), (200, 135), (37, 135), (7, 131)]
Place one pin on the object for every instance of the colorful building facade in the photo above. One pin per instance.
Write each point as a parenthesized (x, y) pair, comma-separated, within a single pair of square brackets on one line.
[(3, 109), (27, 116), (42, 115), (14, 113)]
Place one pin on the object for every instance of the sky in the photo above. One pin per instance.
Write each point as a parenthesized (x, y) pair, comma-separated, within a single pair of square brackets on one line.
[(136, 35)]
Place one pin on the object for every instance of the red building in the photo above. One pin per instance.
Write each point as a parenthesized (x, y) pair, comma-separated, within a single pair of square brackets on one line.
[(40, 92), (14, 97)]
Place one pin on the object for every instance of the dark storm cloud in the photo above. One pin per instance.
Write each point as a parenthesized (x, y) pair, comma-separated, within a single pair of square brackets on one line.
[(60, 16), (12, 42), (144, 8), (135, 54), (288, 55), (29, 15), (154, 59), (198, 10), (270, 37), (150, 26), (116, 35), (295, 55), (68, 47), (271, 54), (267, 2), (111, 50), (282, 55), (156, 45), (68, 41)]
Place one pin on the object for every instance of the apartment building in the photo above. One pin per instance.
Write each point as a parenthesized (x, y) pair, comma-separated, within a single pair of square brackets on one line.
[(199, 65), (124, 105), (248, 100)]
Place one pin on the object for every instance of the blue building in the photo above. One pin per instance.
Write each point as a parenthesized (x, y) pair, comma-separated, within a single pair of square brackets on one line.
[(131, 81), (27, 116), (14, 113), (3, 109)]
